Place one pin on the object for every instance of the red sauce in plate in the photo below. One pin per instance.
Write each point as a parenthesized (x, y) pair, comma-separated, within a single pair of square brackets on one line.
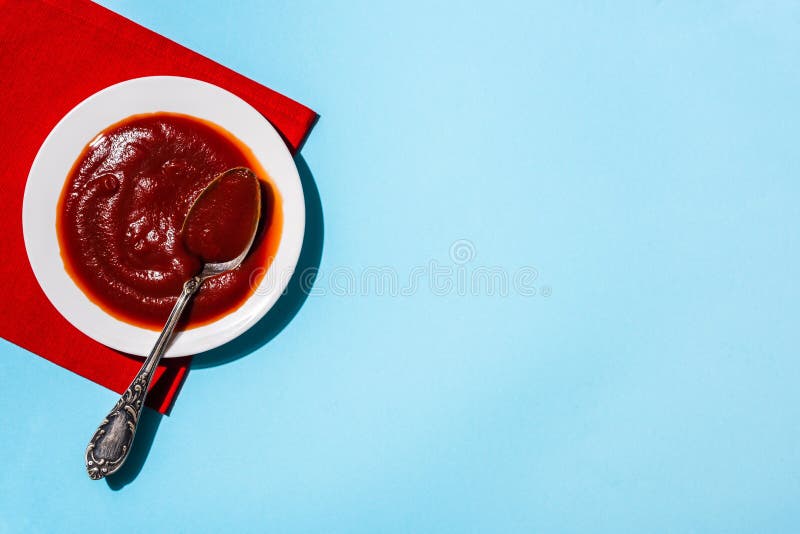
[(122, 209)]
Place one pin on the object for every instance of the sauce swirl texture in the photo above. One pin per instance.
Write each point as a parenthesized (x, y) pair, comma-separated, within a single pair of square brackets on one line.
[(121, 212)]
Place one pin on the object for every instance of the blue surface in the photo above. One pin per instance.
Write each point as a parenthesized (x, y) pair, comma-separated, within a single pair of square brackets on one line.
[(641, 156)]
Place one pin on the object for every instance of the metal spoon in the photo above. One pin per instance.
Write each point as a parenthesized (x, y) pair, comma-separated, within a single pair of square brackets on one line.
[(112, 441)]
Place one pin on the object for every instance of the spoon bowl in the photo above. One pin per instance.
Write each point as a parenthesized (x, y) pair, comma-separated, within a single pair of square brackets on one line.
[(204, 203)]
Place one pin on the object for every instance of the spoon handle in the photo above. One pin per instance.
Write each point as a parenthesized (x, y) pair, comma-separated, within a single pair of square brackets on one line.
[(111, 442)]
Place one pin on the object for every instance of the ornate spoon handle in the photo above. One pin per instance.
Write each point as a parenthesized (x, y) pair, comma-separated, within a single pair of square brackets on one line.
[(111, 442)]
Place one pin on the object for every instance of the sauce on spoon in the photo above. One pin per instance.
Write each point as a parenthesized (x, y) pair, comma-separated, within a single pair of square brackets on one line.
[(221, 220)]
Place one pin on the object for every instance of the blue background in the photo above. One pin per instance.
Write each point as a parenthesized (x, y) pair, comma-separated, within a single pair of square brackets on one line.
[(642, 156)]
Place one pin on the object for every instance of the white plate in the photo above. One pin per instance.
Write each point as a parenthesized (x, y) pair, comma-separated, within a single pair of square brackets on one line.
[(65, 143)]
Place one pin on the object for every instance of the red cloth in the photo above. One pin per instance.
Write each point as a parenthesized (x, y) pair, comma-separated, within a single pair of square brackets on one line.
[(54, 54)]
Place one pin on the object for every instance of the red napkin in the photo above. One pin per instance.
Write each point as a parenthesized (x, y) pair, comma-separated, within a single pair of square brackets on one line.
[(54, 54)]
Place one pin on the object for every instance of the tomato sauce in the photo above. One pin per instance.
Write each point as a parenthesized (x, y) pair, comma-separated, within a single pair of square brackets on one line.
[(121, 213), (221, 221)]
